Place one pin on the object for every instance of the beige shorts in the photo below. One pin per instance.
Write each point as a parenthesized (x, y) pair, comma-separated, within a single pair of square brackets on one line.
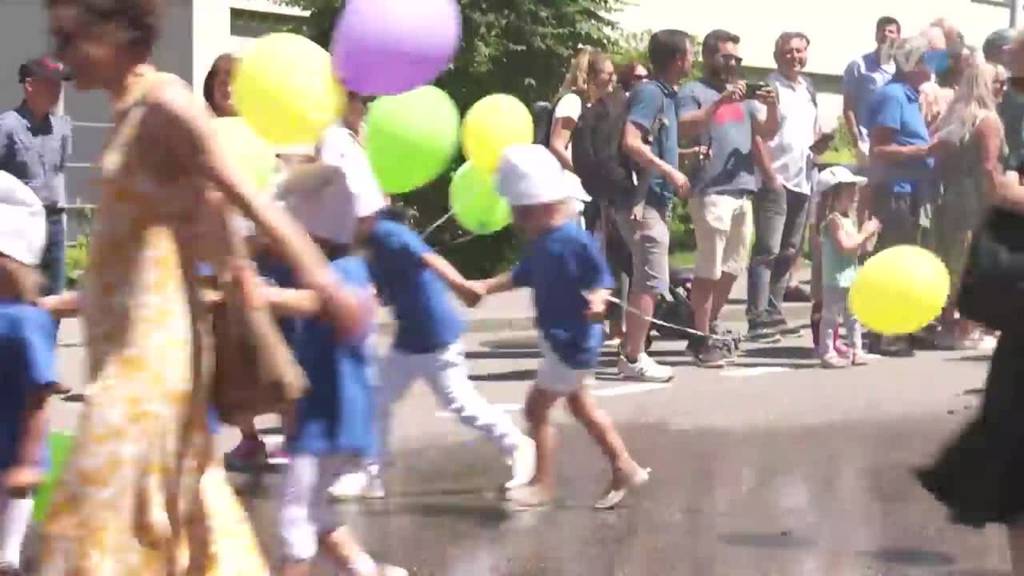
[(647, 239), (724, 227), (556, 377)]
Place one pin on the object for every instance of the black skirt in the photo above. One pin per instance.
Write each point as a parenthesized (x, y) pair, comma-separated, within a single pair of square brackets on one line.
[(980, 476)]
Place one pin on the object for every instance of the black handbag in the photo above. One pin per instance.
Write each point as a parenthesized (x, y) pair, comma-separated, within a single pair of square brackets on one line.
[(992, 287)]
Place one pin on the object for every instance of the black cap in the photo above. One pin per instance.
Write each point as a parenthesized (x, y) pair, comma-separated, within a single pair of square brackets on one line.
[(44, 67)]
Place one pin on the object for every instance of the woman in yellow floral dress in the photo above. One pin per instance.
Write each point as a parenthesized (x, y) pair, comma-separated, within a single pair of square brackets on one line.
[(141, 494)]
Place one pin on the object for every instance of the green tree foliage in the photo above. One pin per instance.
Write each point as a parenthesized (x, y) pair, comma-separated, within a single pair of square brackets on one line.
[(519, 47)]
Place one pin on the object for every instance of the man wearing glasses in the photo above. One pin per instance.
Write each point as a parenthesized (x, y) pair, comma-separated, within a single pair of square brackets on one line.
[(721, 112)]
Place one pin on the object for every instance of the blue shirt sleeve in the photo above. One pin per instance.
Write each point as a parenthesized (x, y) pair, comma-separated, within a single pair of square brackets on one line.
[(687, 101), (393, 240), (886, 111), (850, 76), (40, 340), (522, 274), (646, 102)]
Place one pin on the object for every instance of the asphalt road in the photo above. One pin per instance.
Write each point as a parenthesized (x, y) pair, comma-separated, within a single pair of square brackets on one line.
[(772, 467)]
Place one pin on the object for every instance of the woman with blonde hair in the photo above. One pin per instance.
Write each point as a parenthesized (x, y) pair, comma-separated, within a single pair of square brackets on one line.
[(591, 75), (972, 146)]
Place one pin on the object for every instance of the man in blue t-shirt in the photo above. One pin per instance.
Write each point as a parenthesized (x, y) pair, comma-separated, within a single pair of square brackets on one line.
[(651, 140), (864, 77), (718, 113), (902, 173)]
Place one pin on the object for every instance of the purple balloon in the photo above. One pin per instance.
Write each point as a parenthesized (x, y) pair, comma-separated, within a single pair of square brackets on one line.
[(383, 47)]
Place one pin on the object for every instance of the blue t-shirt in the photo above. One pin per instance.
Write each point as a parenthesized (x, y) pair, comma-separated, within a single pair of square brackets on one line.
[(861, 81), (652, 109), (730, 169), (28, 337), (560, 266), (897, 106), (427, 319), (336, 414)]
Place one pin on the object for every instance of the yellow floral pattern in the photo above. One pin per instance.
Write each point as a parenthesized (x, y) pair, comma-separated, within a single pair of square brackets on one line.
[(141, 494)]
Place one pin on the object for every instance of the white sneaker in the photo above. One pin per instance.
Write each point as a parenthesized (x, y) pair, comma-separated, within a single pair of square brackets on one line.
[(523, 462), (362, 484), (645, 369), (350, 486)]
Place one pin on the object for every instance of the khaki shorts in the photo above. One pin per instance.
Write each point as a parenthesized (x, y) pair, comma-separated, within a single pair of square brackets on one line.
[(724, 226), (647, 239)]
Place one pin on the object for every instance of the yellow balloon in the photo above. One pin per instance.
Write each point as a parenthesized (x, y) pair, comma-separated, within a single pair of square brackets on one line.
[(493, 124), (250, 153), (285, 89), (900, 290)]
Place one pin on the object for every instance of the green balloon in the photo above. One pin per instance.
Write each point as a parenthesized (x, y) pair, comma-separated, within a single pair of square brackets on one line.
[(475, 203), (411, 138)]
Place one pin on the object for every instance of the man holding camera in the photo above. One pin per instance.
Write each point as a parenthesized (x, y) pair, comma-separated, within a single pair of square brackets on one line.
[(721, 112)]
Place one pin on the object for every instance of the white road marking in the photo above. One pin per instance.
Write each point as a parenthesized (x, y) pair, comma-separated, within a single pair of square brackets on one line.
[(628, 389), (753, 371), (502, 407)]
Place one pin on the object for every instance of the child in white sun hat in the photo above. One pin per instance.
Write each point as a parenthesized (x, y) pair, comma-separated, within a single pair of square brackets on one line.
[(571, 284), (842, 243), (27, 364)]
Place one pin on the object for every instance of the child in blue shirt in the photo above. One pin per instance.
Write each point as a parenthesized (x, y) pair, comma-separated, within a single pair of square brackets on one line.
[(418, 283), (571, 284), (27, 367)]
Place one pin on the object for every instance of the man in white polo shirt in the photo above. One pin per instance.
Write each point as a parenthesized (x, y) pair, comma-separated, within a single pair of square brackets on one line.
[(785, 164)]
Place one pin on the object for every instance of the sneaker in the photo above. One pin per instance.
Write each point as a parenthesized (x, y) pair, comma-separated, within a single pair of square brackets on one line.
[(779, 323), (712, 354), (278, 457), (645, 369), (762, 333), (862, 358), (375, 485), (523, 462), (350, 486), (833, 361), (250, 454)]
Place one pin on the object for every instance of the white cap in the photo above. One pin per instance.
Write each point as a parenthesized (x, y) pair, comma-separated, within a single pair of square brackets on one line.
[(837, 175), (339, 147), (529, 174), (22, 221), (317, 197)]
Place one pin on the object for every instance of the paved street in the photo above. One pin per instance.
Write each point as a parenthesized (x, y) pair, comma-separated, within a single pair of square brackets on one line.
[(771, 467)]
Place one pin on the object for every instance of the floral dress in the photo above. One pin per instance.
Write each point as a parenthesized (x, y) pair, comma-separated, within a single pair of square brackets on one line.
[(141, 493)]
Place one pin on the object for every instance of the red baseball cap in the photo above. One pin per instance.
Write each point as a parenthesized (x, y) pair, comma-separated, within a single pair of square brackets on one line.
[(43, 67)]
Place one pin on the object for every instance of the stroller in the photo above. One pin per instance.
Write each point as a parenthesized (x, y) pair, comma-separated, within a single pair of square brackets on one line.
[(673, 315)]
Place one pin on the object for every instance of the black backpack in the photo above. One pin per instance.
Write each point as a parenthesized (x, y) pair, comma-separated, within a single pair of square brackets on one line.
[(597, 157)]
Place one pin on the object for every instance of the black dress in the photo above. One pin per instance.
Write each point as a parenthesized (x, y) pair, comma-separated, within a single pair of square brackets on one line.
[(980, 476)]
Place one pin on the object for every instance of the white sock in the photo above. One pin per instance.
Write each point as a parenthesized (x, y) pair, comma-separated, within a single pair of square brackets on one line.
[(14, 523)]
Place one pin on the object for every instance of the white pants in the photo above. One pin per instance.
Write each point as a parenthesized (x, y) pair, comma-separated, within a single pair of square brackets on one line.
[(447, 375), (835, 309), (305, 511)]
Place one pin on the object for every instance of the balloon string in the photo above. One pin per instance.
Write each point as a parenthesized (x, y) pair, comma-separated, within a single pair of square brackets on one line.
[(434, 226)]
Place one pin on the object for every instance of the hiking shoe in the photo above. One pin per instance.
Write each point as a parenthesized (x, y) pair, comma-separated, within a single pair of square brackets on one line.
[(713, 354), (645, 369)]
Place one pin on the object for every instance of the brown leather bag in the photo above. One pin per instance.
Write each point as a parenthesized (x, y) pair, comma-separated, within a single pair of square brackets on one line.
[(255, 371)]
